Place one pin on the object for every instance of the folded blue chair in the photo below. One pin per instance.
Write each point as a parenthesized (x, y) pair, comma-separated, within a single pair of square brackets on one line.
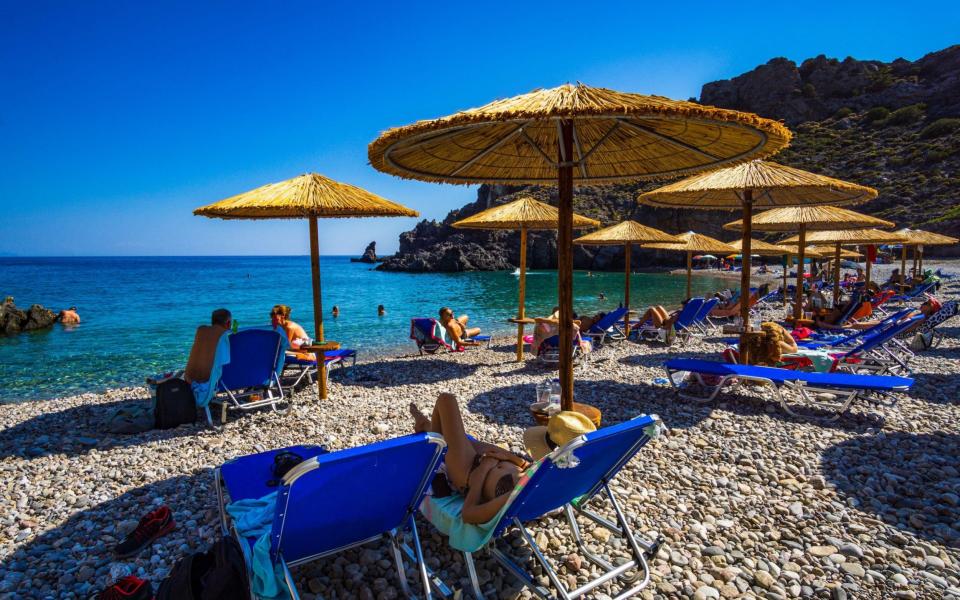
[(307, 369), (430, 336), (607, 328), (330, 502), (702, 319), (251, 378), (917, 293), (834, 392), (572, 477)]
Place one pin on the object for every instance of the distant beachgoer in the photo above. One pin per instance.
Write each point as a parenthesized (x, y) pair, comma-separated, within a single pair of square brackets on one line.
[(602, 296), (484, 474), (457, 328), (69, 316), (204, 346), (381, 310), (589, 273), (336, 311), (297, 335)]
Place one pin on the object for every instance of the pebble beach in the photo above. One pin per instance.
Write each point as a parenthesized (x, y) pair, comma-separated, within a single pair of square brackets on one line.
[(751, 502)]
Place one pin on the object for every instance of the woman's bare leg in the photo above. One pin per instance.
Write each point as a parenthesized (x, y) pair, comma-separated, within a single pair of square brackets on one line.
[(447, 422)]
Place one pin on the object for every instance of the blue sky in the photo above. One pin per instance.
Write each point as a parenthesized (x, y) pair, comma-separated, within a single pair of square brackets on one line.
[(118, 118)]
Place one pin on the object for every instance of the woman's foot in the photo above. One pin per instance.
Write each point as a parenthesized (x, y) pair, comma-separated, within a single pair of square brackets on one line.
[(420, 421)]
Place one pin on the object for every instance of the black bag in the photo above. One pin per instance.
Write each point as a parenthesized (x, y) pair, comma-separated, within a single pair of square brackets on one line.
[(217, 574), (175, 404)]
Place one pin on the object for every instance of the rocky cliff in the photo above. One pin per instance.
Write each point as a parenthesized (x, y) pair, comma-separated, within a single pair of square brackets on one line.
[(894, 126), (369, 255)]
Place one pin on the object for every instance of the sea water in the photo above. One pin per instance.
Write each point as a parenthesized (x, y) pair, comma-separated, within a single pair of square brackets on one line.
[(139, 313)]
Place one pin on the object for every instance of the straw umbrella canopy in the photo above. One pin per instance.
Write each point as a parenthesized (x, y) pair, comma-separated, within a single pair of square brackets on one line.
[(690, 243), (309, 196), (849, 237), (759, 184), (524, 214), (626, 233), (918, 239), (802, 218), (574, 133)]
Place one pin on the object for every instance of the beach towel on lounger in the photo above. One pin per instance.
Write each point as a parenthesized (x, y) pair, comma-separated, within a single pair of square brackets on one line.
[(253, 518)]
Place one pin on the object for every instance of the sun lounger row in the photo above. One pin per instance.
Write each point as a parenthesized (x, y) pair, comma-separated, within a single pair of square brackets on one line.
[(332, 501)]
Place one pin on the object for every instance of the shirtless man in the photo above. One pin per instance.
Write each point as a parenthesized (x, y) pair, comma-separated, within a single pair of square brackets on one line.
[(69, 316), (457, 328), (483, 473), (205, 346)]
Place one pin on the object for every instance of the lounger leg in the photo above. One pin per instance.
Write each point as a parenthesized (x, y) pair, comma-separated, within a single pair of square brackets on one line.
[(398, 562), (472, 571), (551, 574)]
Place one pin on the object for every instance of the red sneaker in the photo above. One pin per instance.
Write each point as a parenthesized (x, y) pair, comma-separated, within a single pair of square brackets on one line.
[(128, 588), (153, 525)]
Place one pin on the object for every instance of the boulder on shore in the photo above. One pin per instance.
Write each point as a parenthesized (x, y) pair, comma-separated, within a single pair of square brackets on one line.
[(369, 255), (14, 320)]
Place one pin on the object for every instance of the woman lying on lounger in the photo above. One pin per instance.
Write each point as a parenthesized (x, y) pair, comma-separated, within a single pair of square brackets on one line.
[(483, 474)]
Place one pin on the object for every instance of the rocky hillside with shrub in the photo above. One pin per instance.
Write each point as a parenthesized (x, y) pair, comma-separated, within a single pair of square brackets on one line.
[(894, 126)]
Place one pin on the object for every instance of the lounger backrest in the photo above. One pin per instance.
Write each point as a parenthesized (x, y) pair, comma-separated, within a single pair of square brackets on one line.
[(689, 312), (253, 359), (338, 499), (609, 320), (424, 331), (884, 336), (852, 306), (578, 469), (706, 308)]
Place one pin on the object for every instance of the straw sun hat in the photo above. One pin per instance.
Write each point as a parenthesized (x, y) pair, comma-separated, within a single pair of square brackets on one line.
[(560, 429)]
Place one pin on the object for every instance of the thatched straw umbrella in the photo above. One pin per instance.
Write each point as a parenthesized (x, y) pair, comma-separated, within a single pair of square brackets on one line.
[(802, 218), (848, 237), (525, 214), (626, 233), (310, 196), (574, 133), (757, 184), (692, 243), (918, 239)]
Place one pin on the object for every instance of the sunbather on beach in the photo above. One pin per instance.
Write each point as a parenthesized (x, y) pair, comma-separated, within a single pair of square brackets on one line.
[(659, 316), (457, 328), (832, 320), (204, 346), (297, 336), (482, 473)]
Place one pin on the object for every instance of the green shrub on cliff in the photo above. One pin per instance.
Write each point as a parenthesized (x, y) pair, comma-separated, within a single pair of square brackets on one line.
[(939, 128), (906, 115)]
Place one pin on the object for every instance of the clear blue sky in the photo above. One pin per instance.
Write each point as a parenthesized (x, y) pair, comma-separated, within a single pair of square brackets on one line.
[(118, 118)]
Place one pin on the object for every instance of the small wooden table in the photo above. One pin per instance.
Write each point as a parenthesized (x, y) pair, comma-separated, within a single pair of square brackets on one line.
[(800, 321), (586, 410), (319, 347), (520, 322), (523, 321)]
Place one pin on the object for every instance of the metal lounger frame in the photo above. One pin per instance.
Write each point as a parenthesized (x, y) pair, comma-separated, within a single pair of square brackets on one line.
[(232, 400)]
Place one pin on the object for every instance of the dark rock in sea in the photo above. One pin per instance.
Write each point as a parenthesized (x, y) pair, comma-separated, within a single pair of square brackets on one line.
[(369, 255), (14, 320)]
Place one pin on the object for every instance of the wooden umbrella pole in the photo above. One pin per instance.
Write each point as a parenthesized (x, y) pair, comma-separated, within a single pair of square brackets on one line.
[(786, 269), (565, 262), (689, 272), (745, 275), (798, 293), (836, 275), (869, 264), (903, 264), (915, 272), (626, 287), (920, 250), (521, 311), (317, 306)]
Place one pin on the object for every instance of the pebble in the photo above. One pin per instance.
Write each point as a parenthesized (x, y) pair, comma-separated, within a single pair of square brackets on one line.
[(752, 503)]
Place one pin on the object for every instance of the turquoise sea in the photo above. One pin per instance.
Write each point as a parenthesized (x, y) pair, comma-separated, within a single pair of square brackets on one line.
[(139, 313)]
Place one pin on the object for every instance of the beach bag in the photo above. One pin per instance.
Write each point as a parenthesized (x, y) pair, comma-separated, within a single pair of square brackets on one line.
[(217, 574), (922, 340), (175, 404)]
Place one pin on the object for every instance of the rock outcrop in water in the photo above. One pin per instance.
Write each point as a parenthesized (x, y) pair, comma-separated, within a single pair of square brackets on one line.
[(14, 320), (893, 126), (369, 255)]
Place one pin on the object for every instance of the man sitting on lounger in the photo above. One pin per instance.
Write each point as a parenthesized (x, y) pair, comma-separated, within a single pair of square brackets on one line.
[(457, 328), (205, 346)]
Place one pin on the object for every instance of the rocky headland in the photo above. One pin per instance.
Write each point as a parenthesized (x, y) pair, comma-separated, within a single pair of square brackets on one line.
[(894, 126)]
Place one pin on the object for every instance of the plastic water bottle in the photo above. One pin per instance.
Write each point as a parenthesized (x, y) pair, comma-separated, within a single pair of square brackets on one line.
[(119, 571), (554, 396), (236, 324)]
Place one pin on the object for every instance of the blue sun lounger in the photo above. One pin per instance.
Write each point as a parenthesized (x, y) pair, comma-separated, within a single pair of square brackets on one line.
[(881, 353), (917, 293), (430, 336), (607, 329), (549, 351), (328, 503), (702, 319), (572, 477), (688, 375), (251, 378), (307, 369), (684, 325)]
